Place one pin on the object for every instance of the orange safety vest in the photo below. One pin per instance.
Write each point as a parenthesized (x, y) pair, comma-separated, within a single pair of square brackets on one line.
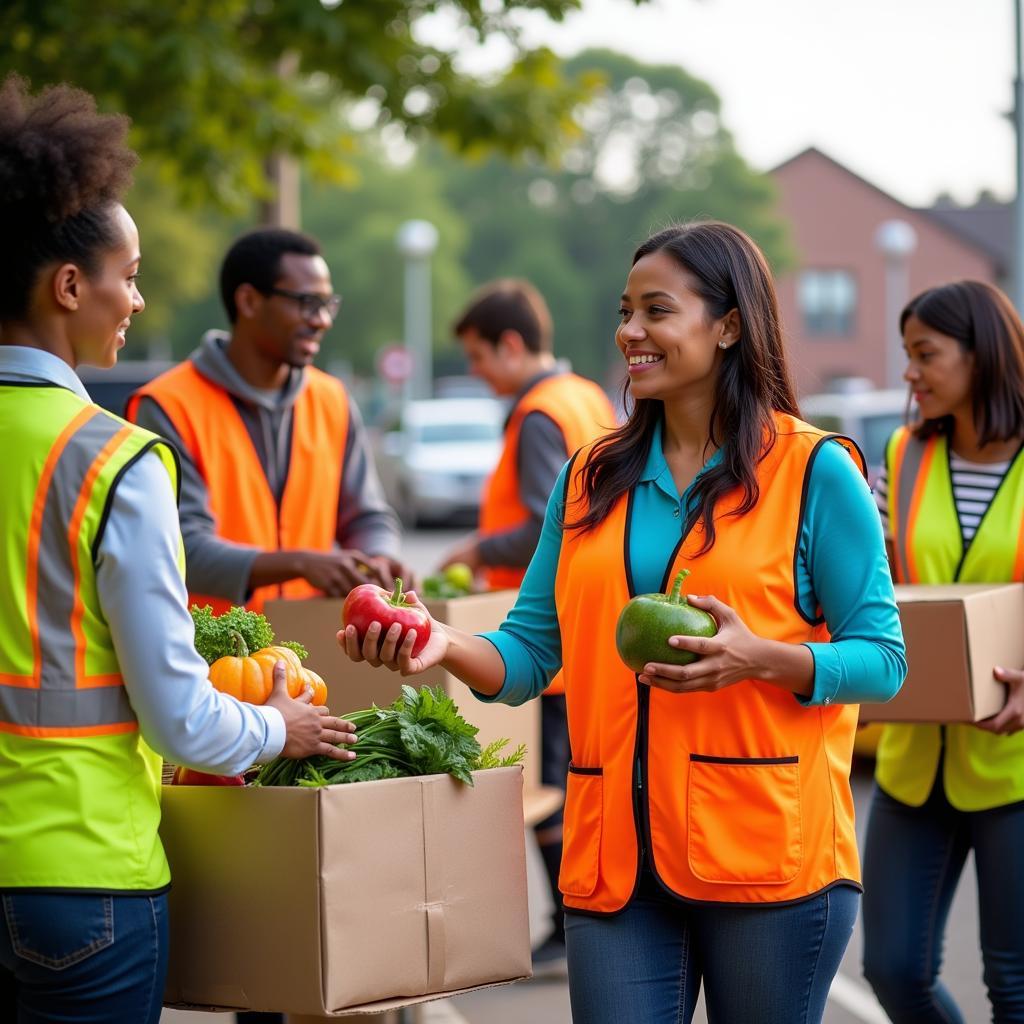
[(740, 796), (583, 413), (244, 509)]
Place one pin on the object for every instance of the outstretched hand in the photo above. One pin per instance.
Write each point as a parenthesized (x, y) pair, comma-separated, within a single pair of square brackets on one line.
[(384, 649)]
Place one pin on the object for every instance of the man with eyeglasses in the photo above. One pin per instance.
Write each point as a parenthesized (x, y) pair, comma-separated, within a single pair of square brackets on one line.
[(280, 495)]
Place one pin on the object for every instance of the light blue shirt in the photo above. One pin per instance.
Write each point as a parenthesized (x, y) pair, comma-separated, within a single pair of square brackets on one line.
[(144, 601), (841, 569)]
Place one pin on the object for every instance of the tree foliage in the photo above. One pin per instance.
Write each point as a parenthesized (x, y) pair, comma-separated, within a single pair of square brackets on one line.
[(215, 86)]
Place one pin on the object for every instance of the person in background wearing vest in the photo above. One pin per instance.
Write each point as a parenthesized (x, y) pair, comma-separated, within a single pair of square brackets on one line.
[(709, 830), (952, 503), (506, 335), (280, 495), (98, 673)]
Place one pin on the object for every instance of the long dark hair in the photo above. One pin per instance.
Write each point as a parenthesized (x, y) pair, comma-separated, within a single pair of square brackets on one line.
[(728, 272), (982, 319)]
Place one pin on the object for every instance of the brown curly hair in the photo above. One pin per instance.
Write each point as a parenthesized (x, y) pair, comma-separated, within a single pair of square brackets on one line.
[(62, 165)]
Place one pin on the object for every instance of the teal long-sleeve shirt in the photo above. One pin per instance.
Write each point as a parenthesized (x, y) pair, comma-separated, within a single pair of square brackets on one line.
[(841, 569)]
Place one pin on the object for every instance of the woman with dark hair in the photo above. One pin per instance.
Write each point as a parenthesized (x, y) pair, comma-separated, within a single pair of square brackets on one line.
[(709, 819), (98, 673), (952, 503)]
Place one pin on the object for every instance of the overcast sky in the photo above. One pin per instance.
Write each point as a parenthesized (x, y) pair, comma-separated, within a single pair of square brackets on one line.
[(910, 94)]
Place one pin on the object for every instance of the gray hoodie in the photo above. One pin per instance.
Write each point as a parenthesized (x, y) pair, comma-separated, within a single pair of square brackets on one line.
[(221, 568)]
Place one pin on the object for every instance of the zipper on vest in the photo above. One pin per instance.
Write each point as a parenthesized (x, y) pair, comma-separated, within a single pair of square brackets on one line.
[(640, 815)]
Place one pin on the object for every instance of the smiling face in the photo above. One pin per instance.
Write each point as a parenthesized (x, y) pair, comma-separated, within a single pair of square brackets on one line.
[(940, 371), (669, 341), (109, 298), (283, 332)]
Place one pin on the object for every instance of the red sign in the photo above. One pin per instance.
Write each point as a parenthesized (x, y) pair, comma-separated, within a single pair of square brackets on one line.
[(394, 363)]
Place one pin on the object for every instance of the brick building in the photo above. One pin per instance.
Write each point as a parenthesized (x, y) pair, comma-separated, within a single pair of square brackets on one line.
[(834, 302)]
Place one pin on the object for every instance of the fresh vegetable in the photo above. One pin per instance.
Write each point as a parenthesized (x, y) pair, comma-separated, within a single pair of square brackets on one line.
[(648, 620), (455, 581), (246, 671), (421, 733), (368, 603), (316, 684), (215, 633), (190, 777)]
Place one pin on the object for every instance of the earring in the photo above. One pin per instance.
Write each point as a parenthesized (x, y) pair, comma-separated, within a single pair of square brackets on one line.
[(722, 344)]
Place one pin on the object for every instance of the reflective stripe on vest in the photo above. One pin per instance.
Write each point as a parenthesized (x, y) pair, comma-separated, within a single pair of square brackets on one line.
[(244, 509), (582, 412), (740, 796), (58, 697), (980, 770)]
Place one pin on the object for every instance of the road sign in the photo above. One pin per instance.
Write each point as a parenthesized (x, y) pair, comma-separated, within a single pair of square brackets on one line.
[(394, 363)]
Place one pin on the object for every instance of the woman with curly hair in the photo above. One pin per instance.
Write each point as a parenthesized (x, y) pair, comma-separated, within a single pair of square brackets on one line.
[(708, 818), (98, 673)]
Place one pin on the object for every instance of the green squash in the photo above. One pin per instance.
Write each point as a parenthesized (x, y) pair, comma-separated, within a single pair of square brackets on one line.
[(648, 620)]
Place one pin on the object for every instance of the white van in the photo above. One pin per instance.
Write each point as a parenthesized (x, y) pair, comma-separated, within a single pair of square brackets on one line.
[(868, 417)]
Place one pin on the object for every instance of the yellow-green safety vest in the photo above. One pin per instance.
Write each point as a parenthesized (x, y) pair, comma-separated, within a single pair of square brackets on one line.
[(79, 788), (980, 770)]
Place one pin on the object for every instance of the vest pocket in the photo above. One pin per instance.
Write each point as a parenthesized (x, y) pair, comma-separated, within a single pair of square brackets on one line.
[(582, 842), (744, 819)]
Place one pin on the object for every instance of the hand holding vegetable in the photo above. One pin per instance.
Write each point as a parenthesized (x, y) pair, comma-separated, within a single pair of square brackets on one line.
[(731, 656), (309, 730), (368, 604), (383, 644)]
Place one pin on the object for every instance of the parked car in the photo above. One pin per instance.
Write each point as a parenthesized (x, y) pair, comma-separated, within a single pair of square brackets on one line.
[(868, 417), (434, 463), (111, 387)]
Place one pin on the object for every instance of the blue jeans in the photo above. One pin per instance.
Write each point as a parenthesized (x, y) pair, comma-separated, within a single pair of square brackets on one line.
[(913, 858), (82, 958), (759, 964)]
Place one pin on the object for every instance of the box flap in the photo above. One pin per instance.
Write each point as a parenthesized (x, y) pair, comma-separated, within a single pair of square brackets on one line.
[(915, 592), (995, 630)]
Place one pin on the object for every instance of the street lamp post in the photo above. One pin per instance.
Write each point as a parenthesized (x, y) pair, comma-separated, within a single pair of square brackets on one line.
[(416, 241), (896, 240)]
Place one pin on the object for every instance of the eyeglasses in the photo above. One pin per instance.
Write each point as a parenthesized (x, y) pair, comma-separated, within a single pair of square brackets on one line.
[(310, 304)]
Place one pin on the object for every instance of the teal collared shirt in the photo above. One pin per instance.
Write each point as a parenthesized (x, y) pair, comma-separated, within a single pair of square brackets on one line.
[(841, 569)]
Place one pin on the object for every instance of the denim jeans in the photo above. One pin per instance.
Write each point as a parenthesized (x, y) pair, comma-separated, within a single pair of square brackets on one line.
[(759, 964), (913, 859), (82, 958)]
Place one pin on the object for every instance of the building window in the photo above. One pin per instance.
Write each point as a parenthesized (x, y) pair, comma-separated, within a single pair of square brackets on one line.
[(828, 302)]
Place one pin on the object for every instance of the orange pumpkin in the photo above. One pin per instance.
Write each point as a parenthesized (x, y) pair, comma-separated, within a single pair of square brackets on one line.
[(317, 684), (250, 677)]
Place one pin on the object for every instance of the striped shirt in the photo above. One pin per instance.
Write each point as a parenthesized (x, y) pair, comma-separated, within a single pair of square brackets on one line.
[(974, 487)]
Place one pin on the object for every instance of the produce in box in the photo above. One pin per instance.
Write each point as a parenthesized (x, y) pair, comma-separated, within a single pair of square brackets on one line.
[(240, 650), (421, 733)]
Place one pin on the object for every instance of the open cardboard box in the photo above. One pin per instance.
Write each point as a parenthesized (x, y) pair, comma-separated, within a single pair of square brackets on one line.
[(314, 623), (955, 635), (345, 899)]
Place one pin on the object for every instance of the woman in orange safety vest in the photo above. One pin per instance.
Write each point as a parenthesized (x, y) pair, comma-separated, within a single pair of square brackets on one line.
[(709, 820)]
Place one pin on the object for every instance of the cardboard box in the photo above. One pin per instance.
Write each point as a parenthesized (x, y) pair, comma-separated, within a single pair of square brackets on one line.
[(955, 635), (350, 686), (347, 898)]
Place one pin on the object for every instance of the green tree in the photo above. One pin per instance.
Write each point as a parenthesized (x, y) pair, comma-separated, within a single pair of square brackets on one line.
[(215, 86), (652, 150)]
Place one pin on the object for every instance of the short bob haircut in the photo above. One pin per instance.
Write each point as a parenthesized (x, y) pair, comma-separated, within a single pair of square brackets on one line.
[(983, 321), (508, 305)]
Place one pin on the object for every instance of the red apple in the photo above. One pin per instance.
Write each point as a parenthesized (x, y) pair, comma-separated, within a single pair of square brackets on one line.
[(368, 603), (190, 777)]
